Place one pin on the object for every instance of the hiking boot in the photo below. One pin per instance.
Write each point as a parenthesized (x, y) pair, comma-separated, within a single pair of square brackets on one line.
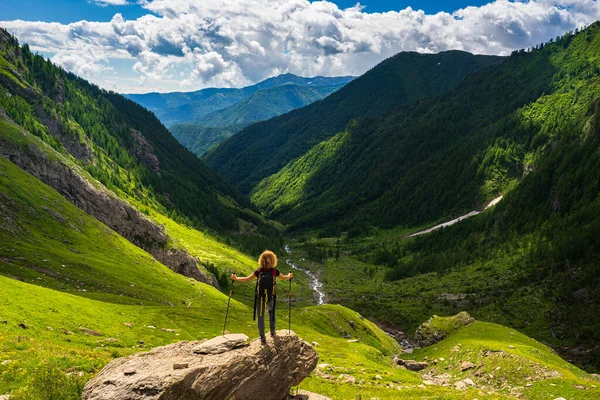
[(263, 340), (273, 333)]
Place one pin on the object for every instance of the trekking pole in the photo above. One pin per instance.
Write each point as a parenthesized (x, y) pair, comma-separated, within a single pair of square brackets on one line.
[(228, 301), (290, 312)]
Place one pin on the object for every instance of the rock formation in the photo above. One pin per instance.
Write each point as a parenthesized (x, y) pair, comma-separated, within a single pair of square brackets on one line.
[(176, 372)]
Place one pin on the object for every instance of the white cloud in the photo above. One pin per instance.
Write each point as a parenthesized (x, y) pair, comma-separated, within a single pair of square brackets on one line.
[(236, 42), (85, 63), (104, 3)]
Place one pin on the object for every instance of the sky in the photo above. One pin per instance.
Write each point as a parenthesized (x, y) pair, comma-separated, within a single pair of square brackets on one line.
[(139, 46)]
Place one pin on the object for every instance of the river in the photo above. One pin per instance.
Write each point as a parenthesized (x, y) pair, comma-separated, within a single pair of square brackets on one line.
[(313, 280)]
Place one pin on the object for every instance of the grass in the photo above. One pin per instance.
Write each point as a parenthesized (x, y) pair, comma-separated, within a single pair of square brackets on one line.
[(46, 240), (508, 362), (491, 290), (75, 295), (63, 273), (7, 69)]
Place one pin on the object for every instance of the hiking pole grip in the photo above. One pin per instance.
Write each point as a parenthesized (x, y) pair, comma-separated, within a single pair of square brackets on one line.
[(228, 302)]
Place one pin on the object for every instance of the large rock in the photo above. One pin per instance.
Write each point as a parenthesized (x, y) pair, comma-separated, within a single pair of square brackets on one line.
[(221, 344), (174, 372)]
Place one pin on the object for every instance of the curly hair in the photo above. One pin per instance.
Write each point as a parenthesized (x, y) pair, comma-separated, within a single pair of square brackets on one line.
[(267, 259)]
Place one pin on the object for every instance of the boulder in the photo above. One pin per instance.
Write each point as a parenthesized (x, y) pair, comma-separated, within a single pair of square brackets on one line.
[(237, 373), (221, 344), (412, 364), (467, 365)]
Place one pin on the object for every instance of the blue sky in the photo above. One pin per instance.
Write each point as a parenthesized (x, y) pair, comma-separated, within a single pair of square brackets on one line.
[(66, 11), (136, 46)]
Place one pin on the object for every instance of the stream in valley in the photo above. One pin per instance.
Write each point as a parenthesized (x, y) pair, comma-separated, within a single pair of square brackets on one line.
[(313, 280)]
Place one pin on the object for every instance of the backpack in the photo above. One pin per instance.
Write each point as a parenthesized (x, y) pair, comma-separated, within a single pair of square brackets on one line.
[(266, 281), (265, 286)]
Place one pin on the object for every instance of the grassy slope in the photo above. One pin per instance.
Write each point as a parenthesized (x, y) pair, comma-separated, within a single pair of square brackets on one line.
[(53, 356), (42, 362), (75, 258), (507, 361)]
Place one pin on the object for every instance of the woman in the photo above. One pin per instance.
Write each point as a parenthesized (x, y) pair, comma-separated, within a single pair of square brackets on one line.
[(266, 290)]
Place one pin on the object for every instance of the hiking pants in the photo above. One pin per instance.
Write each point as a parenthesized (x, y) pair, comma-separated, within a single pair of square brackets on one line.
[(264, 305)]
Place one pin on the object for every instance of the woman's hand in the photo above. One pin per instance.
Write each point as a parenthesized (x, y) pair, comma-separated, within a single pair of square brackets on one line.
[(290, 275), (234, 277)]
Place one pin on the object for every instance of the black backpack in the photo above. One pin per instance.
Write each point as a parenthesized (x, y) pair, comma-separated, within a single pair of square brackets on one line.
[(265, 285), (266, 281)]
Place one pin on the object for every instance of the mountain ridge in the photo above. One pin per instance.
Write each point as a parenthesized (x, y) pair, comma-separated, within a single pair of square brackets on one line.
[(471, 136), (244, 160), (210, 130), (183, 107)]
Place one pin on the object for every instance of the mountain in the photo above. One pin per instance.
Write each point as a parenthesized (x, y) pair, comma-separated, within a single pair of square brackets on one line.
[(101, 135), (199, 139), (441, 157), (527, 129), (262, 149), (100, 256), (267, 103), (214, 128), (183, 107)]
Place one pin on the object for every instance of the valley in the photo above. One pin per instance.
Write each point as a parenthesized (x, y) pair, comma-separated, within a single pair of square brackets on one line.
[(440, 213)]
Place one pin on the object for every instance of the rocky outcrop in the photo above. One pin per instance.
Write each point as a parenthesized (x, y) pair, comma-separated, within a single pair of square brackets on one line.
[(183, 263), (437, 328), (93, 198), (143, 150), (175, 372)]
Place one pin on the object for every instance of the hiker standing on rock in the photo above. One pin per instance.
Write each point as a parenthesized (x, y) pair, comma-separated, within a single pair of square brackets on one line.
[(266, 290)]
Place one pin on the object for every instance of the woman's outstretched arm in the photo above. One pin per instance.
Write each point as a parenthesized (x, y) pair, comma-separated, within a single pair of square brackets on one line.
[(286, 277), (234, 277)]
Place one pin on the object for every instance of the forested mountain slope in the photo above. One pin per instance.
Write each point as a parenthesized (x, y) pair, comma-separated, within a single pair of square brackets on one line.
[(212, 129), (446, 156), (184, 107), (264, 148), (114, 139)]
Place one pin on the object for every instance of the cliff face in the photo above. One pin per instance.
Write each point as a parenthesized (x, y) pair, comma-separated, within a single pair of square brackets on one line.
[(89, 195)]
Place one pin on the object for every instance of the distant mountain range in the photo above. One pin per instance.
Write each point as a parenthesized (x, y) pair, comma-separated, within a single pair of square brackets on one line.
[(175, 107), (226, 111)]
